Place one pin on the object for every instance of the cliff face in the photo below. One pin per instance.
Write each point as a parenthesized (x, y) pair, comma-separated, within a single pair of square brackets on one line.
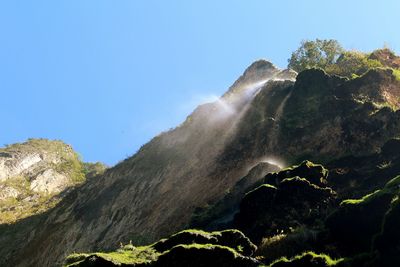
[(33, 175), (266, 116)]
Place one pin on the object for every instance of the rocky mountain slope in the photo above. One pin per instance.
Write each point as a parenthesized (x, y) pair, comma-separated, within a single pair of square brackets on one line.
[(199, 169), (294, 211), (35, 175)]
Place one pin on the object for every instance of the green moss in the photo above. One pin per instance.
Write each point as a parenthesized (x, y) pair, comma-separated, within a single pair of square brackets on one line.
[(394, 183), (391, 188), (75, 258), (364, 199), (307, 259), (126, 255), (261, 186), (396, 73), (232, 238)]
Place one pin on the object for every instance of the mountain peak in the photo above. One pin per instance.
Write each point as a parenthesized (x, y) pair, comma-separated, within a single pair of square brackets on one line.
[(258, 73)]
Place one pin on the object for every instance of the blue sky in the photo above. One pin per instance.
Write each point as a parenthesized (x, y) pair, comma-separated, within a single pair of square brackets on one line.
[(106, 76)]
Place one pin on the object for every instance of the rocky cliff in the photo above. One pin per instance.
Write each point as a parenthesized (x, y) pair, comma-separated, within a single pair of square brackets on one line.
[(268, 115), (35, 175)]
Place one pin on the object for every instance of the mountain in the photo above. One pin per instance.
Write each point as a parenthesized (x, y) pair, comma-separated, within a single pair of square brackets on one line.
[(198, 173)]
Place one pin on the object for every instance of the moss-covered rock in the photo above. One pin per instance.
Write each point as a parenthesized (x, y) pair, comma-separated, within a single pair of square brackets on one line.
[(314, 173), (298, 189), (185, 237), (357, 221), (289, 245), (293, 202), (186, 248), (204, 255), (237, 240), (387, 242), (229, 238), (308, 259), (127, 255)]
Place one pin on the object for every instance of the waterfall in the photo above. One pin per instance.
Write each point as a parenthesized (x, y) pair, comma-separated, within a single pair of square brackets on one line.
[(275, 129)]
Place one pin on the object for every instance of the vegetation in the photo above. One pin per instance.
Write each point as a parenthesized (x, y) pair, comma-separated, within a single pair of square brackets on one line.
[(55, 155), (396, 73), (307, 259), (330, 56), (93, 169), (226, 248), (127, 254), (391, 188), (315, 54), (352, 64)]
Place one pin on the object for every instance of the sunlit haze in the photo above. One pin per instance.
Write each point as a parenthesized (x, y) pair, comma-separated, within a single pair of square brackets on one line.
[(107, 76)]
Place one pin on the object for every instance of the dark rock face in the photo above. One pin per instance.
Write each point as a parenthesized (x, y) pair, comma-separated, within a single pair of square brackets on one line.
[(294, 201), (354, 177), (355, 224), (391, 149), (96, 261), (387, 242), (219, 215), (327, 118)]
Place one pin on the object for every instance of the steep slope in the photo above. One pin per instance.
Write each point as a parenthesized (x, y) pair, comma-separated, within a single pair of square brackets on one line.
[(293, 211), (35, 175), (265, 116)]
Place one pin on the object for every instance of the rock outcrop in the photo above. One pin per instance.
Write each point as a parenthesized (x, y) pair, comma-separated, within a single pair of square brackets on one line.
[(35, 175), (32, 174), (293, 202)]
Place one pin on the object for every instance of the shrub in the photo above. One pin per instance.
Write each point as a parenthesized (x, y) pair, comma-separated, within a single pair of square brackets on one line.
[(352, 64)]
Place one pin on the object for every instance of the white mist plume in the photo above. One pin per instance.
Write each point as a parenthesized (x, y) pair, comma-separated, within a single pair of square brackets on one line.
[(273, 161)]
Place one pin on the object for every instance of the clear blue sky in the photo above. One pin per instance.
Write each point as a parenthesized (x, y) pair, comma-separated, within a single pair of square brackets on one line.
[(106, 76)]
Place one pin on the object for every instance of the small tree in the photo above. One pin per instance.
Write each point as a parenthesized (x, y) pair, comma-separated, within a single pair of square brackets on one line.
[(315, 54)]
